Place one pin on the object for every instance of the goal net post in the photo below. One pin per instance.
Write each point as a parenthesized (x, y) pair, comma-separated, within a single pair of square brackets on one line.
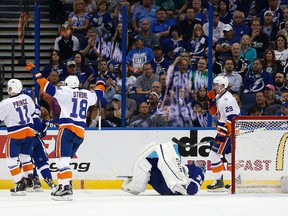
[(259, 153)]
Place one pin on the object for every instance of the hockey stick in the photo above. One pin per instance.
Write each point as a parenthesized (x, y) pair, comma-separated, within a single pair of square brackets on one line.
[(99, 114), (251, 131), (185, 145)]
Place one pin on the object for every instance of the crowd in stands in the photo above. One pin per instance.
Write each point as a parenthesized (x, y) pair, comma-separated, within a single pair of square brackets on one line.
[(167, 57)]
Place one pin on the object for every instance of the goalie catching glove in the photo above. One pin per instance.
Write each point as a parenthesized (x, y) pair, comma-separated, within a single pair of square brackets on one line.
[(33, 70)]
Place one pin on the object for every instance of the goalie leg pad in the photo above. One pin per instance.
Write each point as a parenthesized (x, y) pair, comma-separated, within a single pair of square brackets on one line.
[(171, 168), (141, 176)]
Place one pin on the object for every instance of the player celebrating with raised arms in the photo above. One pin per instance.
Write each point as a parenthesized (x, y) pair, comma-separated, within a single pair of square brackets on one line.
[(221, 102), (74, 104), (16, 112), (165, 174)]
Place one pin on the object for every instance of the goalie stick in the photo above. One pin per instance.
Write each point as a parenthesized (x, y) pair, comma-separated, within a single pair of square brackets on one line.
[(185, 145)]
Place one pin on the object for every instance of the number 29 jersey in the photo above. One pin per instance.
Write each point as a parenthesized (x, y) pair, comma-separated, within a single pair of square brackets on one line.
[(16, 112), (227, 107)]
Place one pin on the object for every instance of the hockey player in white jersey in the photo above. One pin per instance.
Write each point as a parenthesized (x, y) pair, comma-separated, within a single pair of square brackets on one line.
[(16, 112), (74, 104), (221, 102)]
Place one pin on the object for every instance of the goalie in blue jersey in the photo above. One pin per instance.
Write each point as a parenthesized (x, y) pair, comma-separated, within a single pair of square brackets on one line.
[(165, 174)]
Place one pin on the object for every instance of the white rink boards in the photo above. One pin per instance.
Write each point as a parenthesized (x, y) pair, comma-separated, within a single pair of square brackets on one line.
[(119, 203)]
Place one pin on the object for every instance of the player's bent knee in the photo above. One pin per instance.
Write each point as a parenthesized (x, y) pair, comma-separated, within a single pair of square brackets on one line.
[(12, 161), (24, 158), (141, 176), (214, 157), (63, 162)]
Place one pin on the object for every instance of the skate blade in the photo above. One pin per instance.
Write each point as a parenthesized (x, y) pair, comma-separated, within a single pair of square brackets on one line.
[(217, 190), (29, 190), (62, 198), (19, 193), (124, 177), (38, 190)]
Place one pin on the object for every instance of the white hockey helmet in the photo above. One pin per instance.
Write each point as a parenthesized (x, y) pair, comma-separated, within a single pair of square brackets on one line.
[(221, 80), (14, 86), (72, 81)]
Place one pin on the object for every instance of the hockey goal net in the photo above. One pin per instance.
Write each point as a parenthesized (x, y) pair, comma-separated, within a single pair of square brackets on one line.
[(258, 153)]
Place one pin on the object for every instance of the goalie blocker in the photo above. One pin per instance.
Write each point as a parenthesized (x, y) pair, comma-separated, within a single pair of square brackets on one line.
[(165, 174)]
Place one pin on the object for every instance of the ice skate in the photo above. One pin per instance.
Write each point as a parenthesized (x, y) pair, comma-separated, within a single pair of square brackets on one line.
[(19, 189), (29, 183), (63, 193), (51, 184), (37, 187), (217, 186)]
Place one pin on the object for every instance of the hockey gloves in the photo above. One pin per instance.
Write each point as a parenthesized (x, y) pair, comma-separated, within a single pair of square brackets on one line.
[(212, 102), (229, 127), (100, 85), (33, 70), (211, 95)]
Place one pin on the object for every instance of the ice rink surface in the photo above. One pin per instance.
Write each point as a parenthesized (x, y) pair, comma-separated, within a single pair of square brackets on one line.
[(119, 203)]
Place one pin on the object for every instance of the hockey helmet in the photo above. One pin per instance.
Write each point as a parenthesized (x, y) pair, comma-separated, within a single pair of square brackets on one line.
[(14, 86), (72, 81), (221, 80)]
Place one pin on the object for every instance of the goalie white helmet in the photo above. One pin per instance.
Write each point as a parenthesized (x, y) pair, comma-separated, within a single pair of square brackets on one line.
[(221, 80), (14, 86), (72, 81)]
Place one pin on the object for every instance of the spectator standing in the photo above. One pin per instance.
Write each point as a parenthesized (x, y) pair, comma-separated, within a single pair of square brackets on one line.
[(140, 54), (256, 79), (269, 27), (146, 10), (224, 12), (102, 21), (223, 45), (150, 39), (161, 27), (218, 27), (273, 6), (281, 51), (186, 26), (66, 44), (247, 52), (197, 44), (159, 64), (239, 27), (260, 40), (78, 19)]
